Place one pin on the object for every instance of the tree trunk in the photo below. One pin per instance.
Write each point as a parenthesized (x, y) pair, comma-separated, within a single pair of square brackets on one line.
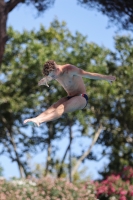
[(22, 170), (70, 160), (88, 151), (8, 130), (3, 36), (5, 8), (61, 168), (67, 149), (49, 147), (48, 158)]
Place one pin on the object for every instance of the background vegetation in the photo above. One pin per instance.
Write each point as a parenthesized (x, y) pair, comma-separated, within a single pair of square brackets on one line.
[(109, 114)]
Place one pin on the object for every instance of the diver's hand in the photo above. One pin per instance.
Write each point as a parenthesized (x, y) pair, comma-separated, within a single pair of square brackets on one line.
[(44, 81), (111, 79)]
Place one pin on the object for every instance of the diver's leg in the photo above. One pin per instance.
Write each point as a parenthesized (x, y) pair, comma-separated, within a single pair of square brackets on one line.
[(55, 105), (73, 104), (47, 111)]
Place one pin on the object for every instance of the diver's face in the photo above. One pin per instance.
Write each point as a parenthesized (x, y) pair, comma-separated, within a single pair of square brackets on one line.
[(53, 74)]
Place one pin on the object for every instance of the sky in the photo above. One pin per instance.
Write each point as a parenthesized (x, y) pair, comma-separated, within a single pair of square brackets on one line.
[(89, 23)]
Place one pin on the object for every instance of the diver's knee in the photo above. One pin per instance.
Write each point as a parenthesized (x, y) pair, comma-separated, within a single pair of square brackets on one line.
[(60, 109)]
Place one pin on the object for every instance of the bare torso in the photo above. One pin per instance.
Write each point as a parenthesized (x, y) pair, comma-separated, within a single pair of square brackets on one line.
[(72, 84)]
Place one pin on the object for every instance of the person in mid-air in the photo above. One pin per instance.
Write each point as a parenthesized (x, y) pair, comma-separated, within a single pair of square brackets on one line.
[(70, 77)]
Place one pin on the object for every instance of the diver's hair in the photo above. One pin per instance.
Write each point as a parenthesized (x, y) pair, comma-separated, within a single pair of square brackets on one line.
[(48, 67)]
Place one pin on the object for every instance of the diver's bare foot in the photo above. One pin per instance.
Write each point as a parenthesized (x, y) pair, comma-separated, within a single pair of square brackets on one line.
[(32, 121)]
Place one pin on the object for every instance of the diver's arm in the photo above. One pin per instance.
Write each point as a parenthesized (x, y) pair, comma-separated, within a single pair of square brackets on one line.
[(79, 72)]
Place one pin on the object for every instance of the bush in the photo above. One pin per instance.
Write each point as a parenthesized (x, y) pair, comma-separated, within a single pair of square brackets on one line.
[(116, 187), (46, 189)]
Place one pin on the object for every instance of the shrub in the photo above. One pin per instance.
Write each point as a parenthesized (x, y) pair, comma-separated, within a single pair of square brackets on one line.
[(116, 187), (46, 188)]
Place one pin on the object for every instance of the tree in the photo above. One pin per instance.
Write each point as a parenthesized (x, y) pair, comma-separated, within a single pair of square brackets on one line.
[(119, 134), (19, 84), (24, 57), (119, 12), (112, 106), (109, 106), (7, 6)]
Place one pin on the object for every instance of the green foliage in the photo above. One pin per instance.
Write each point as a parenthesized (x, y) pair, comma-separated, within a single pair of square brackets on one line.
[(109, 105), (39, 171), (20, 96), (118, 109), (1, 170), (42, 5)]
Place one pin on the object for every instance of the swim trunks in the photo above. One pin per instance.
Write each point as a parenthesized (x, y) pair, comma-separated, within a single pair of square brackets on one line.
[(83, 95)]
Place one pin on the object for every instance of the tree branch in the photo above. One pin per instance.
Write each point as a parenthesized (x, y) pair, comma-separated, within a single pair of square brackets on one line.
[(67, 149), (10, 5), (20, 165), (88, 151)]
